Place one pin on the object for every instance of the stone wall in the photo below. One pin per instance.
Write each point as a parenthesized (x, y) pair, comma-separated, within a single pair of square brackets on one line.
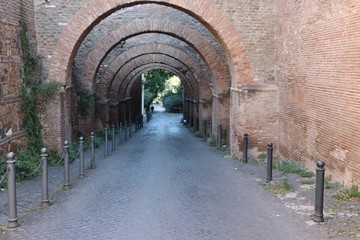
[(12, 134), (318, 70)]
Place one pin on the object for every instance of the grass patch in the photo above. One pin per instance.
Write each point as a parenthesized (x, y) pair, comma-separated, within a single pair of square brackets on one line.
[(349, 194), (224, 149), (290, 166), (199, 135), (307, 182), (261, 157), (329, 184), (280, 187)]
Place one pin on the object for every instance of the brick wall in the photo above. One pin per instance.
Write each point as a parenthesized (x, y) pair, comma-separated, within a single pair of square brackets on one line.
[(318, 70), (254, 20), (12, 134)]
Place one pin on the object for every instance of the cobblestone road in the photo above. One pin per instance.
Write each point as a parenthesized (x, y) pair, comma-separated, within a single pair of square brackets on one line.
[(165, 184)]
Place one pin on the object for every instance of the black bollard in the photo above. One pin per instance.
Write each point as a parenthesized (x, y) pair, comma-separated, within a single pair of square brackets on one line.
[(219, 142), (269, 161), (205, 129), (81, 158), (136, 123), (11, 184), (66, 166), (92, 153), (319, 192), (130, 133), (245, 150), (45, 201), (106, 143), (125, 132)]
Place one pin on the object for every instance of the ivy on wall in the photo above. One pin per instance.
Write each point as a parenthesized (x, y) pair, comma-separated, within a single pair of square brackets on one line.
[(34, 91)]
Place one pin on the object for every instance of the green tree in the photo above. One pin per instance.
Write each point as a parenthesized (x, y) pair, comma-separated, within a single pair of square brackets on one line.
[(155, 84), (155, 80)]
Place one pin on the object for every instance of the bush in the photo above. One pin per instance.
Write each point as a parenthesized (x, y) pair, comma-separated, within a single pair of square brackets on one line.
[(172, 102)]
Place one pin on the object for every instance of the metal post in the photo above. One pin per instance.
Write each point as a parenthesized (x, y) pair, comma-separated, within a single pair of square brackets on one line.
[(120, 133), (45, 201), (106, 143), (125, 131), (81, 158), (66, 166), (205, 129), (219, 135), (113, 138), (319, 192), (136, 123), (269, 161), (11, 184), (130, 133), (211, 130), (92, 153), (245, 150)]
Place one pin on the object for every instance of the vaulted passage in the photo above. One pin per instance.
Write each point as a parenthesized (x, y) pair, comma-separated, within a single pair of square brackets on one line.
[(106, 56), (282, 71)]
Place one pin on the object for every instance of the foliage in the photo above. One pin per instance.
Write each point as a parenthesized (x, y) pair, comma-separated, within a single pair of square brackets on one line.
[(172, 102), (289, 166), (262, 156), (155, 80), (84, 100), (329, 184), (148, 99), (33, 91), (349, 194)]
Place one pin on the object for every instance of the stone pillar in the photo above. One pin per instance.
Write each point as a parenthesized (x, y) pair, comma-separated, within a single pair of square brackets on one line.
[(263, 125)]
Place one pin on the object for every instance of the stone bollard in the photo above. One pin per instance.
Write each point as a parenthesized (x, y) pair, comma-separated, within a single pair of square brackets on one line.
[(245, 150), (11, 184), (81, 158), (113, 138), (269, 156), (92, 151), (45, 201), (66, 166), (319, 192), (106, 143)]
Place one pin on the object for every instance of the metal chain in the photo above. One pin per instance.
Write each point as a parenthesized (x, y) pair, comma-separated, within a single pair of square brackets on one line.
[(85, 149), (61, 159), (77, 155), (4, 176), (35, 171)]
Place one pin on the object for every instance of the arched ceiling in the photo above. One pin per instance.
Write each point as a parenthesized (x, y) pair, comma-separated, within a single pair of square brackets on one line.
[(135, 39)]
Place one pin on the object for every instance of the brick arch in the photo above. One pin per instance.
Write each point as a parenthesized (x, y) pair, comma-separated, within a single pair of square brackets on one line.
[(180, 31), (206, 13), (119, 87), (132, 53), (150, 66), (81, 23)]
